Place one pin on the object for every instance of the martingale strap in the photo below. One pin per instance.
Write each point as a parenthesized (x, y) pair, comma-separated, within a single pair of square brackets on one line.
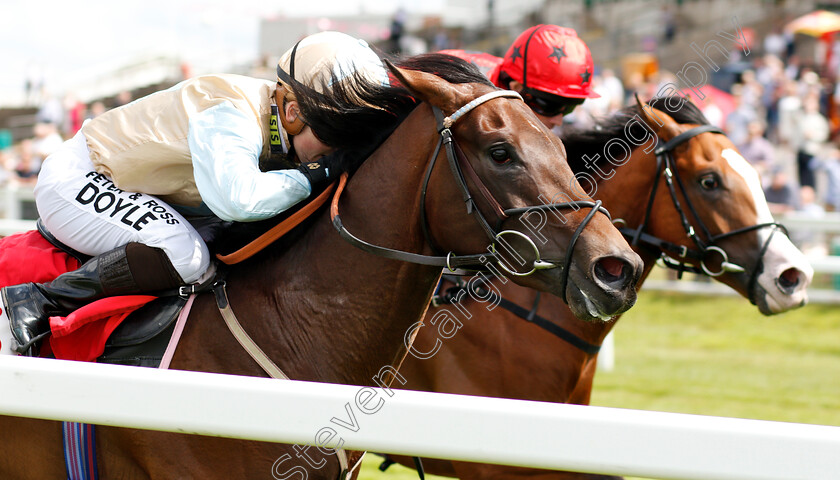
[(452, 294)]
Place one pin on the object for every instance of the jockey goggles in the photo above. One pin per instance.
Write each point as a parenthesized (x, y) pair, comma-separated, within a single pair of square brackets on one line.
[(549, 105)]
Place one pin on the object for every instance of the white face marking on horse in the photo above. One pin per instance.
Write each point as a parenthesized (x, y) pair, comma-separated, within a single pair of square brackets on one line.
[(750, 176), (781, 254)]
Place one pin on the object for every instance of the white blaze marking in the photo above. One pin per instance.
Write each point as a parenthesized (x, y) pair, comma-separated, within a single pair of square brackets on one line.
[(750, 176), (781, 253)]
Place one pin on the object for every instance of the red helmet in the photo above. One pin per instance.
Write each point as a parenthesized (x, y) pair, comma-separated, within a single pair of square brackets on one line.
[(553, 60)]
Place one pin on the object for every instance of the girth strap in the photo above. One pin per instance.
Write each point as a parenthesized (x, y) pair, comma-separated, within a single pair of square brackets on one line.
[(242, 336), (256, 353)]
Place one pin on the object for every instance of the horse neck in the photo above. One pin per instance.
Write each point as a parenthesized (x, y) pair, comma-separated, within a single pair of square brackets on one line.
[(339, 314), (516, 349)]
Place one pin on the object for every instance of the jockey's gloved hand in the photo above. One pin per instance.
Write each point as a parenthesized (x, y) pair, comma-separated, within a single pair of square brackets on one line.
[(323, 171)]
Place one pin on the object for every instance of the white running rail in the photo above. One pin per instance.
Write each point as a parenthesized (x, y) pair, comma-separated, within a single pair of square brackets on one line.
[(545, 435)]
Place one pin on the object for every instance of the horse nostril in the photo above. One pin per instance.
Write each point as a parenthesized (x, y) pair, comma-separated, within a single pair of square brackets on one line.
[(613, 271), (788, 280)]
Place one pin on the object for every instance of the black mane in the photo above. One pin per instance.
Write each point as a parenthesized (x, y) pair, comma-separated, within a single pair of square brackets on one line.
[(450, 68), (580, 142), (354, 115)]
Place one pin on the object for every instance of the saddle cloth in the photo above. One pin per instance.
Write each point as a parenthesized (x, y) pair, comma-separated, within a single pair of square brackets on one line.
[(106, 326)]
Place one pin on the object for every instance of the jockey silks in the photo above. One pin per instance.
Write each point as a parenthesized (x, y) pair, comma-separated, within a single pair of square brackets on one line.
[(200, 141), (198, 145), (85, 210)]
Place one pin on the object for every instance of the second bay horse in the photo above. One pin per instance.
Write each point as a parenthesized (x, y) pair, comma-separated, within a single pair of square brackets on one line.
[(688, 198)]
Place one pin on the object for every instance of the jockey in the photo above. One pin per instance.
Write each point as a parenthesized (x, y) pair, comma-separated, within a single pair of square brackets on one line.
[(120, 189), (549, 66)]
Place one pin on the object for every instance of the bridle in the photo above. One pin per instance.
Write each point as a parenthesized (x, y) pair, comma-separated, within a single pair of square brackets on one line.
[(459, 165), (665, 166)]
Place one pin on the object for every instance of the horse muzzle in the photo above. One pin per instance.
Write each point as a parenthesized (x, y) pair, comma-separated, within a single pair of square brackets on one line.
[(607, 289)]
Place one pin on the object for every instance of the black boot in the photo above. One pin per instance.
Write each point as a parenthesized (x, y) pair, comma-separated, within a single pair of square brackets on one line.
[(129, 270)]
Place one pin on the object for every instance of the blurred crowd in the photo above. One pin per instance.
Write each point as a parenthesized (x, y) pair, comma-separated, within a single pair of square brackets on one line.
[(55, 121)]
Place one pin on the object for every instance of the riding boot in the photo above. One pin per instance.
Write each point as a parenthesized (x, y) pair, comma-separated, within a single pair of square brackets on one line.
[(128, 270)]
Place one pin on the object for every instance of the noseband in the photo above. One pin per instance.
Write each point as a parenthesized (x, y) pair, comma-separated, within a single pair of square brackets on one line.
[(665, 165), (459, 166)]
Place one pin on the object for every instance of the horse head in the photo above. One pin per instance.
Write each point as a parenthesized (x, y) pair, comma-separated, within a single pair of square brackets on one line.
[(719, 216), (549, 233)]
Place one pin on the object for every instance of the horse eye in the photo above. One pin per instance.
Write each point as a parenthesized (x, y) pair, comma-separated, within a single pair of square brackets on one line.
[(709, 181), (500, 155)]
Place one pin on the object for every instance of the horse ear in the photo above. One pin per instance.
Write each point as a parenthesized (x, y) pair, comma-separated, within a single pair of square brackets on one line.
[(424, 86), (659, 122)]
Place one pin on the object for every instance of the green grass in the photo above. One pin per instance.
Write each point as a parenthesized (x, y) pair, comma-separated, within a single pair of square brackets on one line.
[(716, 356), (719, 356)]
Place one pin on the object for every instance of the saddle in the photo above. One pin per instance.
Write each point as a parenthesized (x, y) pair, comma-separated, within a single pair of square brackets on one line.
[(141, 339), (127, 330)]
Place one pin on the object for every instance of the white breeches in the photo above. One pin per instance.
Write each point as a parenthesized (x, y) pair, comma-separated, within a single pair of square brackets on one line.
[(87, 212)]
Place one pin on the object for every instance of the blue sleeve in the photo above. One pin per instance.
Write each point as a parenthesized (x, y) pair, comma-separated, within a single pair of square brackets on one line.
[(225, 145)]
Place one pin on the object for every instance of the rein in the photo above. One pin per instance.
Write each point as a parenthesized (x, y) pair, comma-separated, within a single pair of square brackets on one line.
[(666, 166), (459, 166)]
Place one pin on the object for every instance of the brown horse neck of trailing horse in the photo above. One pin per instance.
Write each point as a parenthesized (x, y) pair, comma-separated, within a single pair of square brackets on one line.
[(321, 309)]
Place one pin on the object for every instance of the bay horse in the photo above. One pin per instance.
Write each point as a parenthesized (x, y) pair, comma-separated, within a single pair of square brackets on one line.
[(326, 311), (693, 201)]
